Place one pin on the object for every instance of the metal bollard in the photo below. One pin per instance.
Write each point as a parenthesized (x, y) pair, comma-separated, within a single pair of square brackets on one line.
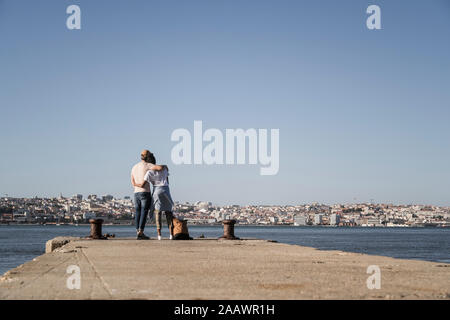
[(96, 229), (228, 230)]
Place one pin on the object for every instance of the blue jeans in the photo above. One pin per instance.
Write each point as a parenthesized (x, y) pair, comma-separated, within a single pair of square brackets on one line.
[(142, 203)]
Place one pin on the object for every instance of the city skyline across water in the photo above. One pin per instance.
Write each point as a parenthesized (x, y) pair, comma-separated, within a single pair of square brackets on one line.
[(353, 201), (77, 209)]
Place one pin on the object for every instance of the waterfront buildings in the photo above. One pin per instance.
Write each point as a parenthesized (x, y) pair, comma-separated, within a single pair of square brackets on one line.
[(113, 210), (318, 219), (300, 220), (334, 219)]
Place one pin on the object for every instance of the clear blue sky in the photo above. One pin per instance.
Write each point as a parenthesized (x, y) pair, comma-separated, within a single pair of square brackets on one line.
[(362, 114)]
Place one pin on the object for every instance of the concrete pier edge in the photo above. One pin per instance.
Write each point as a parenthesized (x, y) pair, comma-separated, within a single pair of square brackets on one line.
[(125, 268)]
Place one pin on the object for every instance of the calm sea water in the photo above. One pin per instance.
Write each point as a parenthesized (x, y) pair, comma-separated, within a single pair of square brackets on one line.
[(22, 243)]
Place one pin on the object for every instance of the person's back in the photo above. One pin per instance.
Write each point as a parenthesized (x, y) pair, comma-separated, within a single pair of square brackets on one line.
[(142, 195), (158, 178), (138, 173), (162, 200)]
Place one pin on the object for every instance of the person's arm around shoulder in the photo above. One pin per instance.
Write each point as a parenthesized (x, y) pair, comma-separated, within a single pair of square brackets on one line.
[(139, 185)]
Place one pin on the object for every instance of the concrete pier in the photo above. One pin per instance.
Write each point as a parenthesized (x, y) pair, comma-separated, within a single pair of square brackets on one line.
[(217, 269)]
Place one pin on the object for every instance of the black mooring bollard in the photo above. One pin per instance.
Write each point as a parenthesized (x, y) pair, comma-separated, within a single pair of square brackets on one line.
[(96, 229), (228, 230)]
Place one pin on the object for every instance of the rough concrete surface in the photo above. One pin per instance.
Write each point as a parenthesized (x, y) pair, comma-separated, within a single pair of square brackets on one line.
[(55, 243), (218, 269)]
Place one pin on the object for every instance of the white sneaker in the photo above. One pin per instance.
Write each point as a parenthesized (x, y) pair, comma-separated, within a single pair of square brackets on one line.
[(170, 237), (159, 237)]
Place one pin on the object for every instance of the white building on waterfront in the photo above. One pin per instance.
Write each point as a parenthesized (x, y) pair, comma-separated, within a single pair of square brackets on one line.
[(89, 215), (334, 219), (300, 220), (318, 219)]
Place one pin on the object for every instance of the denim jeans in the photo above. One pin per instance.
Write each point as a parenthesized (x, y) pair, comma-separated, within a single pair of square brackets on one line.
[(142, 202)]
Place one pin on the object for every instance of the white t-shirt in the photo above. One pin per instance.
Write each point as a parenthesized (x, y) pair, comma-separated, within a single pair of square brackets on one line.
[(138, 173), (157, 178)]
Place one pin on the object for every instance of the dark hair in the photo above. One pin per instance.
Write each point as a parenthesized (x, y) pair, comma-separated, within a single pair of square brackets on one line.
[(151, 158)]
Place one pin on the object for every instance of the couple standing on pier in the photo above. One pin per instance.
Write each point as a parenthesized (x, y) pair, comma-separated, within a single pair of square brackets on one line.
[(143, 174)]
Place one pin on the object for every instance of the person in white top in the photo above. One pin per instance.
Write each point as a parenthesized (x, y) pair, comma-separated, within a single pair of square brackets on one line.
[(162, 200), (142, 195)]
